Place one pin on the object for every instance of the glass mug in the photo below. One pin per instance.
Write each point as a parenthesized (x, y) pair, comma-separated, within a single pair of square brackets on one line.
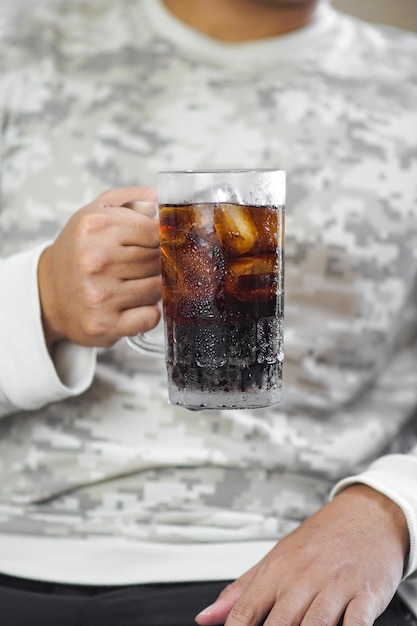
[(222, 246)]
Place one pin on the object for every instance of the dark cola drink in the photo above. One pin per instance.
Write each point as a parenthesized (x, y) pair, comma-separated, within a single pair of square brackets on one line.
[(222, 270)]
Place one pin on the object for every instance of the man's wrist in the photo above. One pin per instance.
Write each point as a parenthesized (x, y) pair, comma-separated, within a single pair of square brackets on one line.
[(384, 510)]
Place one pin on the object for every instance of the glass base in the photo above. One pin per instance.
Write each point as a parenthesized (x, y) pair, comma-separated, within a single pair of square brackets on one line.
[(199, 400)]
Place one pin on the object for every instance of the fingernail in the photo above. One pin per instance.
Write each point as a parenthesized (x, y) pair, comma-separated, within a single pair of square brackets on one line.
[(206, 611)]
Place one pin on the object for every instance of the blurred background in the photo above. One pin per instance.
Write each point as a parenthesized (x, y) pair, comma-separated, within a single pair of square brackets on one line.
[(401, 13)]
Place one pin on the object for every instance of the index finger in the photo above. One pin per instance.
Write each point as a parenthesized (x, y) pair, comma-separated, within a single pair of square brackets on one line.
[(141, 230), (146, 207), (120, 195)]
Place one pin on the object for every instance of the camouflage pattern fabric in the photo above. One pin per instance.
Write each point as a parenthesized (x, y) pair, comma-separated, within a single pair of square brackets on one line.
[(105, 94)]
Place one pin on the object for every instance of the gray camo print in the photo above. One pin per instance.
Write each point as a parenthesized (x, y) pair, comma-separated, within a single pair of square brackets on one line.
[(84, 109)]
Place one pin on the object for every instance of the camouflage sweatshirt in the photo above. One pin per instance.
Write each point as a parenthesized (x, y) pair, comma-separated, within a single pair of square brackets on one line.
[(101, 480)]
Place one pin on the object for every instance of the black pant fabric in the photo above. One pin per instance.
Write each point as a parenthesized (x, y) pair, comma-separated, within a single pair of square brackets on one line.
[(32, 603)]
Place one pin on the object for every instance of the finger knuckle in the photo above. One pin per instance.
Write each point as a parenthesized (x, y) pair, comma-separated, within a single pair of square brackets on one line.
[(360, 619), (320, 617), (245, 613), (94, 261), (93, 223), (285, 614), (363, 609), (94, 328), (95, 322)]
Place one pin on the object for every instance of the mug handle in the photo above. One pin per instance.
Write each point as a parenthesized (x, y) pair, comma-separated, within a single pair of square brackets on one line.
[(152, 342)]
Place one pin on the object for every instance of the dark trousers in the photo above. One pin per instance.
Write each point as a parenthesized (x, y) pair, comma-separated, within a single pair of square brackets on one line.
[(32, 603)]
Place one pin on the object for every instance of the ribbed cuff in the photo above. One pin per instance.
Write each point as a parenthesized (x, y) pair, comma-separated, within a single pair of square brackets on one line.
[(29, 378)]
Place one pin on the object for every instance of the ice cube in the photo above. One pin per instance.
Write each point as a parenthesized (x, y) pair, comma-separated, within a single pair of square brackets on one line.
[(171, 262), (175, 222), (269, 229), (216, 194), (203, 265), (203, 217), (252, 278), (235, 227)]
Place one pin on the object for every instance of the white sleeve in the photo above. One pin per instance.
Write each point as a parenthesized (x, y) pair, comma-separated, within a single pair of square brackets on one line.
[(394, 475), (29, 378)]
